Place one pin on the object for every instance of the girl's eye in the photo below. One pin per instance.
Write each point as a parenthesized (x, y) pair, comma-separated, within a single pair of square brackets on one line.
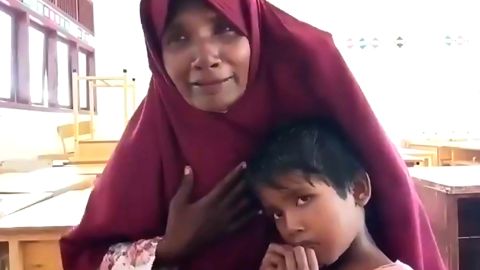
[(277, 215), (303, 200)]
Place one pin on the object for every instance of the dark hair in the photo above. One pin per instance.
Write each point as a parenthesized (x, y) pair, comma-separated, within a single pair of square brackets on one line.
[(312, 147)]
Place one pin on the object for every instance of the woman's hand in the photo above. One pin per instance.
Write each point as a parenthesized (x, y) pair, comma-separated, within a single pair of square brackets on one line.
[(283, 257), (191, 226)]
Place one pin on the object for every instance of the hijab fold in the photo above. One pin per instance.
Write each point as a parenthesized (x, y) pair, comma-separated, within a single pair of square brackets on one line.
[(296, 72)]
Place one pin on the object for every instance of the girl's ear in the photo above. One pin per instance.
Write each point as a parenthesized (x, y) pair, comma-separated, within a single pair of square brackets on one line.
[(362, 190)]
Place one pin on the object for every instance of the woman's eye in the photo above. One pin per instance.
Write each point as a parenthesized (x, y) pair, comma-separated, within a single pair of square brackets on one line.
[(177, 39), (277, 215), (224, 29), (227, 29), (303, 200)]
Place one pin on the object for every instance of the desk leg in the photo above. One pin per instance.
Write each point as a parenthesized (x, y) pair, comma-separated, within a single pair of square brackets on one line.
[(15, 255), (452, 232)]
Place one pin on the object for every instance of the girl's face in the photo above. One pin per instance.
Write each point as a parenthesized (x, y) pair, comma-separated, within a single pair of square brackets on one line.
[(313, 215), (206, 58)]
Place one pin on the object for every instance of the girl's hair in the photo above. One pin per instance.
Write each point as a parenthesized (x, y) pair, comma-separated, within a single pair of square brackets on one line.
[(311, 147)]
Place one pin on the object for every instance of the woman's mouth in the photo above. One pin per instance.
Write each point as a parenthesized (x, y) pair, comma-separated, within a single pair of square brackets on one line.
[(211, 86), (210, 82)]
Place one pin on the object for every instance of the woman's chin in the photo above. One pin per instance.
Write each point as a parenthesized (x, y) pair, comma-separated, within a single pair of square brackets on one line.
[(215, 105)]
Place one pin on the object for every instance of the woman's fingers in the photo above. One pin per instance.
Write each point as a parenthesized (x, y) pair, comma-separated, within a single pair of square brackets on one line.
[(240, 221), (237, 192), (226, 185)]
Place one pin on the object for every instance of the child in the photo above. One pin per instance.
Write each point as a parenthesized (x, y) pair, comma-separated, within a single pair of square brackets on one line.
[(311, 182)]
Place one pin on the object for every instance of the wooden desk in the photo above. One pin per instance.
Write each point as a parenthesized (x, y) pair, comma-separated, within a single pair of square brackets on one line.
[(81, 169), (23, 166), (33, 233), (42, 181), (413, 161), (424, 157), (465, 151), (10, 203), (451, 196), (461, 152), (21, 190)]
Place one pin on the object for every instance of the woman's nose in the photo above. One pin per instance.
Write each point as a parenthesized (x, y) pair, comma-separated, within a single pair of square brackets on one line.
[(206, 56)]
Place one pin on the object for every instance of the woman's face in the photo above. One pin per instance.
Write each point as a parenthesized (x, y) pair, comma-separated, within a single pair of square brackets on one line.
[(206, 58)]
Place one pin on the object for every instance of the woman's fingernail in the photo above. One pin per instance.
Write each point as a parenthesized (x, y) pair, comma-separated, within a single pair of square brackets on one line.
[(243, 165), (187, 170)]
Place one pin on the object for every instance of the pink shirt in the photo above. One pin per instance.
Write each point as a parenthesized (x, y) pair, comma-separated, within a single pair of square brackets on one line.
[(398, 265)]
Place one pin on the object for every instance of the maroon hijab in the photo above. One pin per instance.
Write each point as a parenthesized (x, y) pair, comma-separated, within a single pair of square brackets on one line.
[(296, 72)]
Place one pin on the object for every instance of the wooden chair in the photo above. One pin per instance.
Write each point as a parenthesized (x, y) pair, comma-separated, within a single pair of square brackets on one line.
[(67, 137), (67, 134)]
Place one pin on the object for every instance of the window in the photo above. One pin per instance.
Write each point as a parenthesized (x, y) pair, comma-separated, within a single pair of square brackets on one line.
[(36, 61), (82, 71), (38, 70), (6, 51), (64, 86)]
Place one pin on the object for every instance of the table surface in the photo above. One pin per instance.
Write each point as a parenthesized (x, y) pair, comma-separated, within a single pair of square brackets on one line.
[(10, 203), (65, 210), (453, 179), (82, 169), (41, 181)]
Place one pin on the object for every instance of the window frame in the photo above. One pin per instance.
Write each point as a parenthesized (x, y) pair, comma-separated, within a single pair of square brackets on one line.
[(18, 13), (13, 51), (45, 59), (69, 48), (88, 54)]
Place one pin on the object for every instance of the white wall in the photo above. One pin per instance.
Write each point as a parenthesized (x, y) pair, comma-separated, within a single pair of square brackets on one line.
[(119, 41), (119, 44), (27, 134), (426, 88)]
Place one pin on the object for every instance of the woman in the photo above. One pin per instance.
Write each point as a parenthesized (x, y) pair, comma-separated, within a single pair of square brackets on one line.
[(224, 73)]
